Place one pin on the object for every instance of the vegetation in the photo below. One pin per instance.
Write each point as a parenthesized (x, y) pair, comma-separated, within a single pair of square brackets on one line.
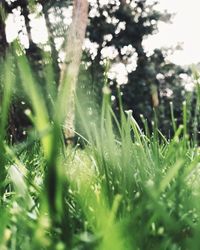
[(120, 186), (151, 81), (125, 190)]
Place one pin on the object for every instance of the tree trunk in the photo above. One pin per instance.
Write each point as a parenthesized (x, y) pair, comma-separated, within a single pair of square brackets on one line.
[(3, 41), (70, 68)]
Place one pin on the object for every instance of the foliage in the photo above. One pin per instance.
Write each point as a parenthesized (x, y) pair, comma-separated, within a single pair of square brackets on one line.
[(121, 27), (125, 190), (152, 81)]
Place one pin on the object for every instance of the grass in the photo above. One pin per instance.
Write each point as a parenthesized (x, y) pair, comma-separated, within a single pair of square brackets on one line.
[(127, 189)]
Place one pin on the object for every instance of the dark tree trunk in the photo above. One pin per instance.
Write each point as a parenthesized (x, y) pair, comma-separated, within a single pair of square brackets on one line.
[(3, 41)]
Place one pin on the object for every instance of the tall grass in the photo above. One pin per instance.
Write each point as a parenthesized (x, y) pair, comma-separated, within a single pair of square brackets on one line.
[(127, 189)]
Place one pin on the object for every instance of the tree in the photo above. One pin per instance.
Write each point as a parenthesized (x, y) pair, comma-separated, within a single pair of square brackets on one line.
[(3, 40), (18, 120), (72, 46), (70, 67), (150, 81)]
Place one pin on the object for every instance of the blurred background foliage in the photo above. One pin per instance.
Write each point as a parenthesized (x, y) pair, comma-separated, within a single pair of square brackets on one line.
[(114, 54)]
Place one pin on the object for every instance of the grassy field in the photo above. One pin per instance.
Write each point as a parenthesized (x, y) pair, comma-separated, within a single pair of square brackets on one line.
[(125, 189)]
